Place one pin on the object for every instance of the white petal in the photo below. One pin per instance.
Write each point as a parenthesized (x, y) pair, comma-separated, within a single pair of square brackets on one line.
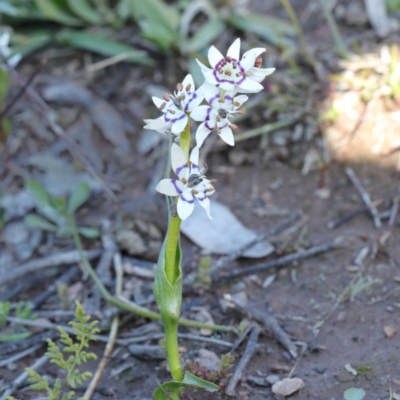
[(195, 100), (210, 78), (185, 205), (261, 71), (194, 158), (200, 113), (228, 86), (201, 134), (240, 99), (250, 86), (214, 56), (188, 81), (227, 136), (179, 161), (158, 124), (170, 187), (234, 50), (4, 40), (159, 102), (202, 66), (211, 92), (204, 202), (179, 125), (249, 58)]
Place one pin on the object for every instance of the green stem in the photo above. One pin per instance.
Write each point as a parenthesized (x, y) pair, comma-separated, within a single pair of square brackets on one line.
[(340, 44), (127, 305), (171, 338), (171, 264), (172, 271)]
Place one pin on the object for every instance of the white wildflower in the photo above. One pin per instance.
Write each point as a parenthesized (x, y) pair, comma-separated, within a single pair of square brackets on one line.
[(176, 107), (233, 75), (192, 182), (215, 116)]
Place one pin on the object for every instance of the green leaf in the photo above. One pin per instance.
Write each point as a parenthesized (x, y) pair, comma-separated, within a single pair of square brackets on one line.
[(4, 83), (54, 12), (78, 196), (32, 41), (158, 22), (35, 221), (270, 29), (12, 337), (108, 48), (205, 35), (189, 380), (156, 11), (393, 5), (84, 10), (7, 9), (90, 233), (168, 297), (39, 193), (354, 394), (196, 382), (123, 9), (5, 128)]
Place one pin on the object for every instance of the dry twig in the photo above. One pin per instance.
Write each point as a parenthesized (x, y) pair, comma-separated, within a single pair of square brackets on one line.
[(251, 349), (301, 255), (113, 332), (271, 324), (21, 378), (364, 196), (68, 257), (268, 233)]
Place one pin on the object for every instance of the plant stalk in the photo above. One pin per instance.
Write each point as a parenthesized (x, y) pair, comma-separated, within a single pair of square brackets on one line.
[(172, 272)]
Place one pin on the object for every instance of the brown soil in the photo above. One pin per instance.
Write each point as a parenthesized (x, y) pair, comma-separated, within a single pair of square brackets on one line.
[(336, 311)]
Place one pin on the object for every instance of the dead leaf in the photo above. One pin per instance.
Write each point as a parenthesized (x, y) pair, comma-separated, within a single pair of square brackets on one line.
[(223, 234), (110, 123)]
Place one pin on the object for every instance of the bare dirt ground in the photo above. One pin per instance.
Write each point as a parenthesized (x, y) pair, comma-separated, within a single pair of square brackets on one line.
[(341, 308)]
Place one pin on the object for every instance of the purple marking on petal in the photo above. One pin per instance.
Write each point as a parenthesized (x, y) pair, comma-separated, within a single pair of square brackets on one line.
[(207, 126), (179, 118), (187, 104), (201, 199), (221, 80), (208, 113), (214, 98), (186, 200), (179, 191), (166, 119), (228, 98), (194, 166), (179, 169)]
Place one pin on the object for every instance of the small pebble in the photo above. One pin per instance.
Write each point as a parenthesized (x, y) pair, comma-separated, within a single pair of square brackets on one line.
[(287, 386), (271, 379), (390, 331)]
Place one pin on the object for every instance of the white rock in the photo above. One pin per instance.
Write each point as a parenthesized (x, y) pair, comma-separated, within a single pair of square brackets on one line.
[(287, 386)]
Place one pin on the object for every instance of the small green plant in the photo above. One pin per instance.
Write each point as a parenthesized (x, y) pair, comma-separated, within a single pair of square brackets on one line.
[(14, 332), (84, 331), (59, 211)]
